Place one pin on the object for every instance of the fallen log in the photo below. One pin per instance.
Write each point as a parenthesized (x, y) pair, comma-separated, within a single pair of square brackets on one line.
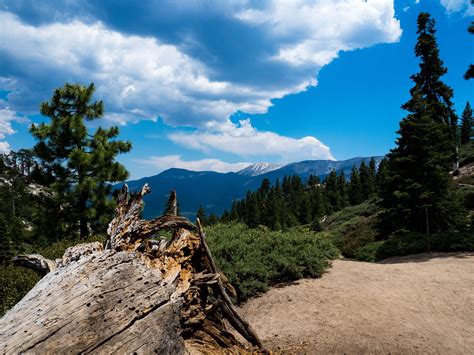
[(136, 295)]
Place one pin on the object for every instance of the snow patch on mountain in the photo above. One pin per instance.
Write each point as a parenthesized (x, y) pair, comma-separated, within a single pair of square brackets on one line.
[(256, 169)]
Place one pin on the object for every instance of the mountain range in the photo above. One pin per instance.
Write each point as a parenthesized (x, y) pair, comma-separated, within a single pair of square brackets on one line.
[(216, 191)]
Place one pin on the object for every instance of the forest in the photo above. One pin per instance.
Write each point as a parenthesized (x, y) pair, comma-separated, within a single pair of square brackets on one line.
[(419, 198)]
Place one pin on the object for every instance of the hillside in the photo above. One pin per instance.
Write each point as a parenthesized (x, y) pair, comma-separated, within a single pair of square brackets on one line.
[(216, 191), (415, 304)]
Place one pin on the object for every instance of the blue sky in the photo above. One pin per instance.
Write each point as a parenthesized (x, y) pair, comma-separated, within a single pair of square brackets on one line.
[(213, 85)]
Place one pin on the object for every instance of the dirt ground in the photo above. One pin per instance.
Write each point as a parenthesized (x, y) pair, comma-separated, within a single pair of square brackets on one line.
[(416, 304)]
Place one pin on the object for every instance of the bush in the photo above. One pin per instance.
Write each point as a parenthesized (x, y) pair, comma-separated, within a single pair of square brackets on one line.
[(254, 259), (353, 227), (415, 243), (15, 282), (368, 252)]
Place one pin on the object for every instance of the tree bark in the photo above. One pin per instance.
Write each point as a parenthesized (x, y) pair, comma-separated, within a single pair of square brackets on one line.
[(134, 296)]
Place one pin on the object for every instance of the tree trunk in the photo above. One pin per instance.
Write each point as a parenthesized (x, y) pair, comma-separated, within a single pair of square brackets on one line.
[(136, 296)]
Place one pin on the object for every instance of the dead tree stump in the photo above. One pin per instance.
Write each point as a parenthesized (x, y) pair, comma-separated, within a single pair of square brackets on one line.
[(136, 295)]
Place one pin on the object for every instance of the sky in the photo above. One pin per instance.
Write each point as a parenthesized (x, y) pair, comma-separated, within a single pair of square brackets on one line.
[(217, 85)]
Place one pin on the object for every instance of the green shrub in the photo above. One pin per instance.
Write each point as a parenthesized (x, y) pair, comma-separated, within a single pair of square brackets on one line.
[(368, 252), (415, 243), (353, 227), (15, 282), (254, 259)]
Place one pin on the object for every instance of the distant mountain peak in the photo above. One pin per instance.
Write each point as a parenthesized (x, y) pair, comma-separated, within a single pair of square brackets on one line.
[(256, 169)]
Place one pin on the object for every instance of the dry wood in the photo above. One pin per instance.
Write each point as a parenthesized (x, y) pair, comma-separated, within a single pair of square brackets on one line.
[(136, 296), (35, 262)]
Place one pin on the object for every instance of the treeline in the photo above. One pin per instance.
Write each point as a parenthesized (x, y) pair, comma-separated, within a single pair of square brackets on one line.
[(293, 201)]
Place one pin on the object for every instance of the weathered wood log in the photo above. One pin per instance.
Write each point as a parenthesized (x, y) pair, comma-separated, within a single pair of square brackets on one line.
[(134, 296), (35, 262)]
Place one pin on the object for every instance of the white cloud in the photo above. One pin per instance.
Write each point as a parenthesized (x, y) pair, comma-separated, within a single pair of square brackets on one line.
[(244, 140), (455, 5), (6, 118), (174, 161), (139, 77), (142, 77), (313, 32), (4, 147)]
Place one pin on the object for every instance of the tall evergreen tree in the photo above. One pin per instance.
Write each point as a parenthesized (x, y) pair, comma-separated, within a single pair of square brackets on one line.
[(355, 189), (466, 124), (382, 174), (372, 175), (332, 191), (365, 180), (6, 244), (83, 165), (417, 196), (213, 219), (342, 189), (201, 214), (470, 71)]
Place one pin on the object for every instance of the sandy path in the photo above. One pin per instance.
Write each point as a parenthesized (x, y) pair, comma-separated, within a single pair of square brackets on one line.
[(417, 304)]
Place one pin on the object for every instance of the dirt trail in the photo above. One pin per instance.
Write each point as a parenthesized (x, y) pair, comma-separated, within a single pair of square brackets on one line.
[(416, 304)]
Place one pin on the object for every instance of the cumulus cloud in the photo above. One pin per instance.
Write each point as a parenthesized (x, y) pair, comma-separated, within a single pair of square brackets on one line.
[(175, 161), (7, 116), (457, 5), (168, 60), (4, 147), (314, 32), (245, 140)]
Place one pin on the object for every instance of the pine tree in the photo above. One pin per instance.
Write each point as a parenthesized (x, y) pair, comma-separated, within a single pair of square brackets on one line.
[(305, 210), (6, 244), (364, 180), (318, 207), (201, 214), (342, 189), (83, 165), (470, 71), (466, 124), (417, 195), (332, 191), (382, 174), (372, 176), (355, 189), (234, 212), (252, 210), (213, 219), (225, 218)]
